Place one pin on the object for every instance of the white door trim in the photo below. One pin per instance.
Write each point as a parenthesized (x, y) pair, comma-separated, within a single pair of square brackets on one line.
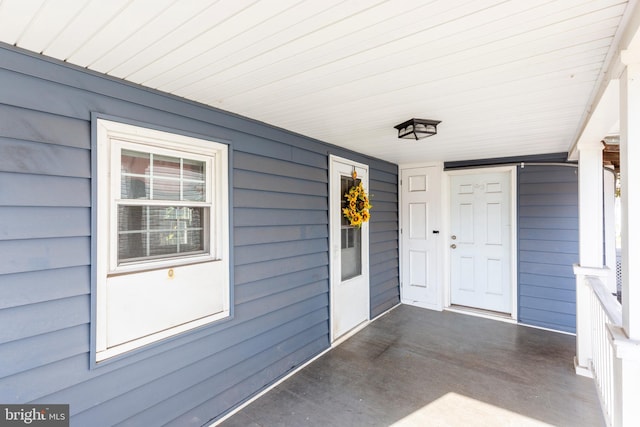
[(334, 246), (446, 226)]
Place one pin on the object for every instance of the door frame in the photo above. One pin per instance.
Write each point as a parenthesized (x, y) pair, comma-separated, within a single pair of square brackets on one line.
[(446, 226), (333, 246)]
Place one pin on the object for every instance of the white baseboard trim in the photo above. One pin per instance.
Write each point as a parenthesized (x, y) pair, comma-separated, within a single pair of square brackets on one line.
[(547, 329)]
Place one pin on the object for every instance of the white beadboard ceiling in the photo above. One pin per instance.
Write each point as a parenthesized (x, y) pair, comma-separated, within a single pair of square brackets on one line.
[(505, 77)]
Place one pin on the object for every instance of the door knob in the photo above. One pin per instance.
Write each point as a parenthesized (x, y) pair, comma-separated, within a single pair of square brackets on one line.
[(453, 237), (453, 246)]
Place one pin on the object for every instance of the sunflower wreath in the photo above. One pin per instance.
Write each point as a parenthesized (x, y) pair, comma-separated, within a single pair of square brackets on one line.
[(357, 209)]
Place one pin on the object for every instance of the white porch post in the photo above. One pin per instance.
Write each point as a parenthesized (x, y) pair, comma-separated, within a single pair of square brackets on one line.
[(630, 199), (590, 201), (590, 198), (627, 344)]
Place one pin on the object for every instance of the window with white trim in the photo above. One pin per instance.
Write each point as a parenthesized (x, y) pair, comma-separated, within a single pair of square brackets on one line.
[(162, 235)]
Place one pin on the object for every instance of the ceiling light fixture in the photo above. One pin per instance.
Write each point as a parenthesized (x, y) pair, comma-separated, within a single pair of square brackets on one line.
[(417, 128)]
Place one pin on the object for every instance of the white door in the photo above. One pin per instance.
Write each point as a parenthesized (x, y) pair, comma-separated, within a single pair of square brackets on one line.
[(349, 252), (420, 192), (480, 241)]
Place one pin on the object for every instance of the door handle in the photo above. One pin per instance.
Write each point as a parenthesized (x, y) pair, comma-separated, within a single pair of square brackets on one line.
[(453, 246)]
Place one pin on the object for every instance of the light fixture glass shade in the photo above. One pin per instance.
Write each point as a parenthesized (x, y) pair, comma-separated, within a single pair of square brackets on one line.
[(417, 128)]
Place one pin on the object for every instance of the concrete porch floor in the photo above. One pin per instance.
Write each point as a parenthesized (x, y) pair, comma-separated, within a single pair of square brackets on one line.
[(415, 367)]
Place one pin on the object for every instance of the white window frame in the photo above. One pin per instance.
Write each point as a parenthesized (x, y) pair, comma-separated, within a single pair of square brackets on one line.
[(111, 138), (211, 254)]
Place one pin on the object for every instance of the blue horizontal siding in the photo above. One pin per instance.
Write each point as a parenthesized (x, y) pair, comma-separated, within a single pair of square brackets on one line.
[(384, 238), (547, 319), (278, 184), (384, 249), (44, 222), (540, 176), (43, 285), (43, 159), (44, 190), (278, 167), (44, 127), (62, 381), (54, 346), (557, 189), (267, 269), (276, 285), (557, 294), (544, 222), (285, 233), (43, 254), (288, 337), (546, 199), (547, 245), (549, 304), (549, 270), (257, 218), (255, 381), (530, 233), (380, 267), (544, 281), (49, 316), (383, 256), (260, 199), (258, 253), (543, 212), (383, 300), (562, 259), (279, 238)]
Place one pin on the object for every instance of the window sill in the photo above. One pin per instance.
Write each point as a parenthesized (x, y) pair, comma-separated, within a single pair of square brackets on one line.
[(164, 264)]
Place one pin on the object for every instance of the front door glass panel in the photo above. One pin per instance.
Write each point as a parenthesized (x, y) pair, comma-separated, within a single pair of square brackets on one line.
[(350, 238)]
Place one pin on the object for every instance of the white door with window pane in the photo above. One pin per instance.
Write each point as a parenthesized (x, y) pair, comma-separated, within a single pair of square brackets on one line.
[(349, 252)]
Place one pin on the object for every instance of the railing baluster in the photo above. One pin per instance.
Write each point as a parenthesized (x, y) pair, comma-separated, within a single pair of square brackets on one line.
[(605, 310)]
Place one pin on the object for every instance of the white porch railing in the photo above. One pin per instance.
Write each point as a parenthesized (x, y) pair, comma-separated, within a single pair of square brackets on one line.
[(606, 313)]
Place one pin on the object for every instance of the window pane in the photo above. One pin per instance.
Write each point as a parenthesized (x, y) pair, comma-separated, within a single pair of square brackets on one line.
[(193, 170), (350, 254), (350, 238), (194, 191), (146, 232), (134, 188), (166, 166), (166, 189), (193, 185), (134, 171), (166, 178)]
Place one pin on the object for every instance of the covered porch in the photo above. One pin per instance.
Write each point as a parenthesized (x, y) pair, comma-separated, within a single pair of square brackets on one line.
[(416, 367), (287, 87)]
